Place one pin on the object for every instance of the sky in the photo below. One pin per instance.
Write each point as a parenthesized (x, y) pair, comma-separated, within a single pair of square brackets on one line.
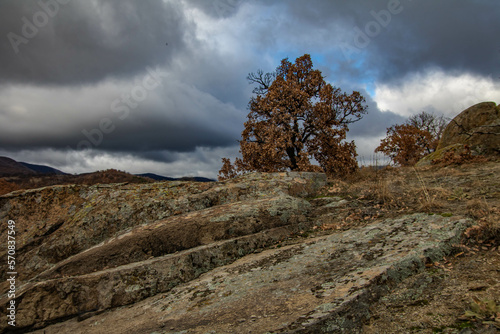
[(160, 85)]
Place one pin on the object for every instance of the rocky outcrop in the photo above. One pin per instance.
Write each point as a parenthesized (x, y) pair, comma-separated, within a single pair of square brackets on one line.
[(322, 285), (84, 248), (186, 257), (474, 132), (477, 127), (58, 222)]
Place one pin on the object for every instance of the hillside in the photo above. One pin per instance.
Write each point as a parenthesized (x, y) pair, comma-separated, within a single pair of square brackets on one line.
[(16, 175), (9, 167), (21, 175), (33, 181), (398, 250), (41, 169), (165, 178)]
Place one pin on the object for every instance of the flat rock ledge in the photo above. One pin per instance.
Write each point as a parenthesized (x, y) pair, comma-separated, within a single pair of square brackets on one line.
[(321, 285), (84, 249)]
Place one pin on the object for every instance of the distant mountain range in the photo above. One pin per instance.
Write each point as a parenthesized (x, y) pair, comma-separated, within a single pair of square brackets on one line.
[(185, 178), (10, 167), (41, 169), (156, 177)]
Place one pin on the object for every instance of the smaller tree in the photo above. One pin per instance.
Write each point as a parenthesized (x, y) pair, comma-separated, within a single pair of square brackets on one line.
[(419, 136), (431, 123)]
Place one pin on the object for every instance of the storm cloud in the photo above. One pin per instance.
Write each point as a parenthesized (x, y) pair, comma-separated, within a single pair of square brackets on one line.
[(159, 85), (77, 42), (391, 38)]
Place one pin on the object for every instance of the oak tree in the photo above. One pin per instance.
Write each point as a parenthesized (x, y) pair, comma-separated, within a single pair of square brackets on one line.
[(419, 136), (431, 123), (297, 122)]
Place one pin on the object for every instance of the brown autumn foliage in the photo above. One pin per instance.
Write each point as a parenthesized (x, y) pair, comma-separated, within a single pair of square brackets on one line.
[(406, 144), (7, 187), (228, 171), (296, 118)]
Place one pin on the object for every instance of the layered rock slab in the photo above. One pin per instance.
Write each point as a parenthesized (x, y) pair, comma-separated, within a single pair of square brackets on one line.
[(57, 222), (65, 271), (322, 285)]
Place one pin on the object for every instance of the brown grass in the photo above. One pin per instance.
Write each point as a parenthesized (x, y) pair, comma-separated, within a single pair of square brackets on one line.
[(467, 190), (444, 290), (488, 226), (459, 158)]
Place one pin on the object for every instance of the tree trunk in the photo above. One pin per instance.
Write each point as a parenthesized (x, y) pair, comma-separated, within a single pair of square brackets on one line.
[(293, 158)]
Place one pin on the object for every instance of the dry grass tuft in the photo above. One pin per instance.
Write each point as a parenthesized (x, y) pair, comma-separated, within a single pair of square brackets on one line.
[(7, 187), (459, 190), (487, 229), (460, 158), (431, 206), (478, 208)]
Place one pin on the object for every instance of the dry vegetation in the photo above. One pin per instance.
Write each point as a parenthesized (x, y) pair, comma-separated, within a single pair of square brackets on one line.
[(7, 187), (469, 190), (458, 294), (463, 155)]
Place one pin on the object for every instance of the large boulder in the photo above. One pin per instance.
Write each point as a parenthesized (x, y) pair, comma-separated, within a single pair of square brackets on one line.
[(477, 127)]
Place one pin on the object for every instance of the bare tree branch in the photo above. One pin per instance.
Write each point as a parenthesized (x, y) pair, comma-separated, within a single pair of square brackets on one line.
[(263, 81)]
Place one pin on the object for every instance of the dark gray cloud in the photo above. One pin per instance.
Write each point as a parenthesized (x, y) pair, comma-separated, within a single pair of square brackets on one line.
[(76, 72), (71, 87), (170, 117), (390, 38), (75, 42), (218, 9), (451, 35)]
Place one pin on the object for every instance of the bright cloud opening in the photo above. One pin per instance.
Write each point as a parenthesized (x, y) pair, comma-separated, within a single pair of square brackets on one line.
[(436, 91)]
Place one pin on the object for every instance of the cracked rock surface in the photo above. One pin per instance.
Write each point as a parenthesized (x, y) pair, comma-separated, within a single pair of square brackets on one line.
[(323, 285), (183, 257)]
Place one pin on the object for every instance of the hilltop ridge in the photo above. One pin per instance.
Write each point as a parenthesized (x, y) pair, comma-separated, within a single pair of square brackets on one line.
[(16, 175)]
